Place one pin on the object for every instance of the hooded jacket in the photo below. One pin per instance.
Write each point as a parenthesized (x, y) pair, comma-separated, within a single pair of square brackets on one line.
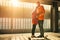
[(34, 19), (40, 12)]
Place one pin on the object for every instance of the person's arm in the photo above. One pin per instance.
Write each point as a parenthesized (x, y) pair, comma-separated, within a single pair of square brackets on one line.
[(42, 10)]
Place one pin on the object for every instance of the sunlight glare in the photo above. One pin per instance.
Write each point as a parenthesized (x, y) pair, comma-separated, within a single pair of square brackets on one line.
[(15, 3), (58, 8)]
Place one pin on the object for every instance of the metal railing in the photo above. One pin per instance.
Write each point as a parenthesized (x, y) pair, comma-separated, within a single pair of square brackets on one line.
[(19, 23)]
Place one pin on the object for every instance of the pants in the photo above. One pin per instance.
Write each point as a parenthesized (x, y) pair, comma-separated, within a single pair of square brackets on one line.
[(40, 23), (33, 29)]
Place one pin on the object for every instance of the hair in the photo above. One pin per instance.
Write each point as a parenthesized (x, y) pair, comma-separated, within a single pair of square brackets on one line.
[(38, 2)]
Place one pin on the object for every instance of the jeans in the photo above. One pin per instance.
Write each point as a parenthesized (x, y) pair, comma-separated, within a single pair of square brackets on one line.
[(40, 23), (33, 29)]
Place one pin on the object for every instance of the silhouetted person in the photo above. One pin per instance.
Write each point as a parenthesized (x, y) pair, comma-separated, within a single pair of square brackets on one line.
[(39, 11), (34, 23)]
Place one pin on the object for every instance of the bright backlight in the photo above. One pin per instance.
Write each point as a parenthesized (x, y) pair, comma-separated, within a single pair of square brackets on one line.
[(15, 3)]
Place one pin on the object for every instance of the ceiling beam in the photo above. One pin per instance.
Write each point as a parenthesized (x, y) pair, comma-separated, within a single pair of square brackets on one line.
[(48, 2)]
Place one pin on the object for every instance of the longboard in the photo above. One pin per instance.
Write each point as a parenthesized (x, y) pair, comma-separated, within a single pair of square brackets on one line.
[(41, 38)]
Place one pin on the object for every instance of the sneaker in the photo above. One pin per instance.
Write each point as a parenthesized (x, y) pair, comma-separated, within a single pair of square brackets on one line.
[(33, 36), (40, 36)]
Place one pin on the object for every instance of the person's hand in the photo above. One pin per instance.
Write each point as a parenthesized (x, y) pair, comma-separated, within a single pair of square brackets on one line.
[(36, 16)]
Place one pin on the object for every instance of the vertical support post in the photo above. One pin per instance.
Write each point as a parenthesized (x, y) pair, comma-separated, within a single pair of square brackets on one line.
[(54, 17)]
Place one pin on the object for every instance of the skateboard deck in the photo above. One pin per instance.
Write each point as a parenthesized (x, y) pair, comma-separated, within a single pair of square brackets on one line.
[(41, 38)]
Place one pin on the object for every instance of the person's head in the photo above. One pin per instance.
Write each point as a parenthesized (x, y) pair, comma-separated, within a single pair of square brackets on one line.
[(38, 3)]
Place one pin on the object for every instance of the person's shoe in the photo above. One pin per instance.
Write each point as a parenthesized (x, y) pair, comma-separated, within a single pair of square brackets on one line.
[(40, 36), (33, 36)]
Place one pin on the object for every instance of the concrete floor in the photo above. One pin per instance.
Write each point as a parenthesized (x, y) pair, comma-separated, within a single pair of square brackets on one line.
[(24, 36)]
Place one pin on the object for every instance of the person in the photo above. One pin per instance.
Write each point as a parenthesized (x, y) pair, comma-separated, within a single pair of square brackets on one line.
[(40, 11), (34, 22)]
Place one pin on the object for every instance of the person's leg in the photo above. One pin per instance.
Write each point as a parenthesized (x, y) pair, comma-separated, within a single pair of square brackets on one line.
[(40, 22), (33, 29)]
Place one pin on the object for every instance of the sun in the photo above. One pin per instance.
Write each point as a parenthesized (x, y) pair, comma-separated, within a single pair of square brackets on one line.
[(15, 3)]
